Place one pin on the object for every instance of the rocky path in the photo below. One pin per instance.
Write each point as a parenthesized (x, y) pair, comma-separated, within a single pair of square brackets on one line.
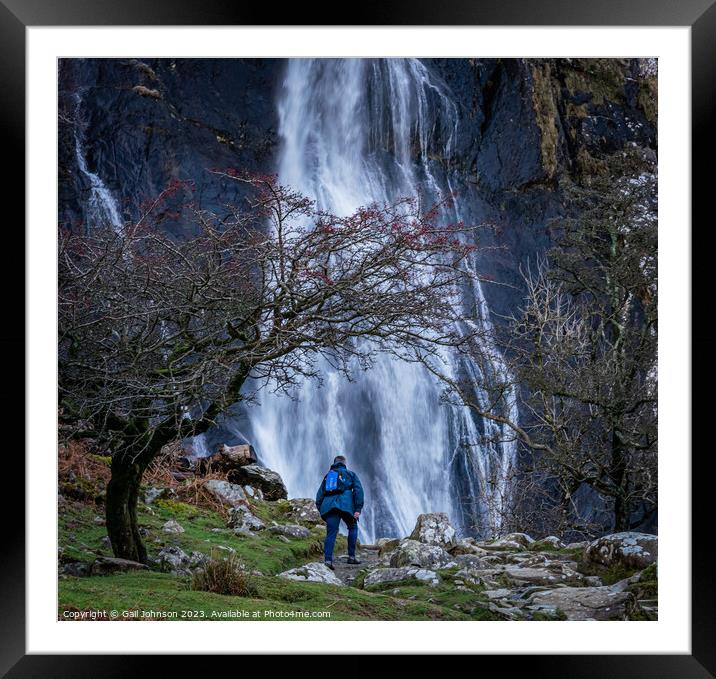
[(346, 573)]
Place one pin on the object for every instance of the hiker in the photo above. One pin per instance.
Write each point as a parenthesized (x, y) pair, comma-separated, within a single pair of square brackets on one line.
[(340, 497)]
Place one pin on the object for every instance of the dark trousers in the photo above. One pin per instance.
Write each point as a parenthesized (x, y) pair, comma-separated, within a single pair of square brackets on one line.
[(333, 521)]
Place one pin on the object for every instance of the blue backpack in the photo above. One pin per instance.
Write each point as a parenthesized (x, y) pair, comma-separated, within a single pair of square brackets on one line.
[(335, 482)]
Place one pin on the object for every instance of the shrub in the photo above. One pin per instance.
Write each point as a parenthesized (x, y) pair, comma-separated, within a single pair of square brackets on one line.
[(225, 575)]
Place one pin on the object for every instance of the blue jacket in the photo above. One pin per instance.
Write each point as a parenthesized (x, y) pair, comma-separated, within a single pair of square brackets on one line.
[(350, 500)]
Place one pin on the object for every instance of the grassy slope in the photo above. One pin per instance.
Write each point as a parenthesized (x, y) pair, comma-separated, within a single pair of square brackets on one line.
[(80, 540)]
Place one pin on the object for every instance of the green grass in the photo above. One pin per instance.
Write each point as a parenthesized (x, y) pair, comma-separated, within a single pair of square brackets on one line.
[(167, 593), (609, 574), (266, 552)]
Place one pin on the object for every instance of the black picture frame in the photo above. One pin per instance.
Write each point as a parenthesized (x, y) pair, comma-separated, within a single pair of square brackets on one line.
[(700, 15)]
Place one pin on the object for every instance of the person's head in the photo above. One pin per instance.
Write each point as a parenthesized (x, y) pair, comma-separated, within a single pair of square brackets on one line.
[(339, 459)]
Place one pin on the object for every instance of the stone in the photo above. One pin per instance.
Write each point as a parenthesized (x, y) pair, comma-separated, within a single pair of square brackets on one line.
[(312, 572), (106, 565), (387, 545), (254, 493), (172, 526), (383, 575), (106, 543), (290, 531), (520, 538), (501, 544), (477, 576), (197, 560), (269, 481), (76, 569), (229, 494), (501, 593), (227, 460), (467, 546), (174, 559), (414, 553), (631, 549), (550, 541), (99, 521), (469, 561), (578, 545), (585, 603), (549, 575), (434, 529), (304, 509), (241, 519), (153, 493)]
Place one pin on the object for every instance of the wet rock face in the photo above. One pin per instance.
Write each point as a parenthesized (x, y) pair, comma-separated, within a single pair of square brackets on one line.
[(145, 123)]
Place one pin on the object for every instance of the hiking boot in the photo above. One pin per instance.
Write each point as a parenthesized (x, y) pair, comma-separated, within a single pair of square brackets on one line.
[(330, 565), (353, 560)]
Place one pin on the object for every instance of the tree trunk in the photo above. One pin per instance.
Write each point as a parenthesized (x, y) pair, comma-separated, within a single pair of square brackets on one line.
[(618, 476), (121, 508)]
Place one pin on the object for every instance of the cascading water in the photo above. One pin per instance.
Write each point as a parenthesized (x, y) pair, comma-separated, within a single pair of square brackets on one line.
[(100, 207), (356, 132)]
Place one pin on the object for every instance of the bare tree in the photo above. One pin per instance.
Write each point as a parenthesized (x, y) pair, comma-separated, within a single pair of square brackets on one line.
[(157, 336), (582, 354)]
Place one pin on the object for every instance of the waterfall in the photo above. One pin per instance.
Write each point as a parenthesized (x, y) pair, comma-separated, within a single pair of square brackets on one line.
[(355, 132), (100, 207)]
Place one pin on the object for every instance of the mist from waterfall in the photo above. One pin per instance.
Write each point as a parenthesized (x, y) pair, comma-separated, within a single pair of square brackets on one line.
[(356, 132)]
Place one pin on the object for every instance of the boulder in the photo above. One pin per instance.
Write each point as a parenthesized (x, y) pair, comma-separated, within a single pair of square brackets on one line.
[(469, 561), (270, 483), (154, 493), (106, 565), (476, 575), (414, 553), (229, 494), (550, 542), (543, 576), (294, 531), (467, 546), (631, 549), (172, 526), (76, 569), (585, 603), (174, 559), (227, 460), (197, 559), (520, 538), (501, 544), (242, 520), (386, 545), (382, 575), (312, 572), (254, 493), (578, 545), (434, 529), (304, 509)]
